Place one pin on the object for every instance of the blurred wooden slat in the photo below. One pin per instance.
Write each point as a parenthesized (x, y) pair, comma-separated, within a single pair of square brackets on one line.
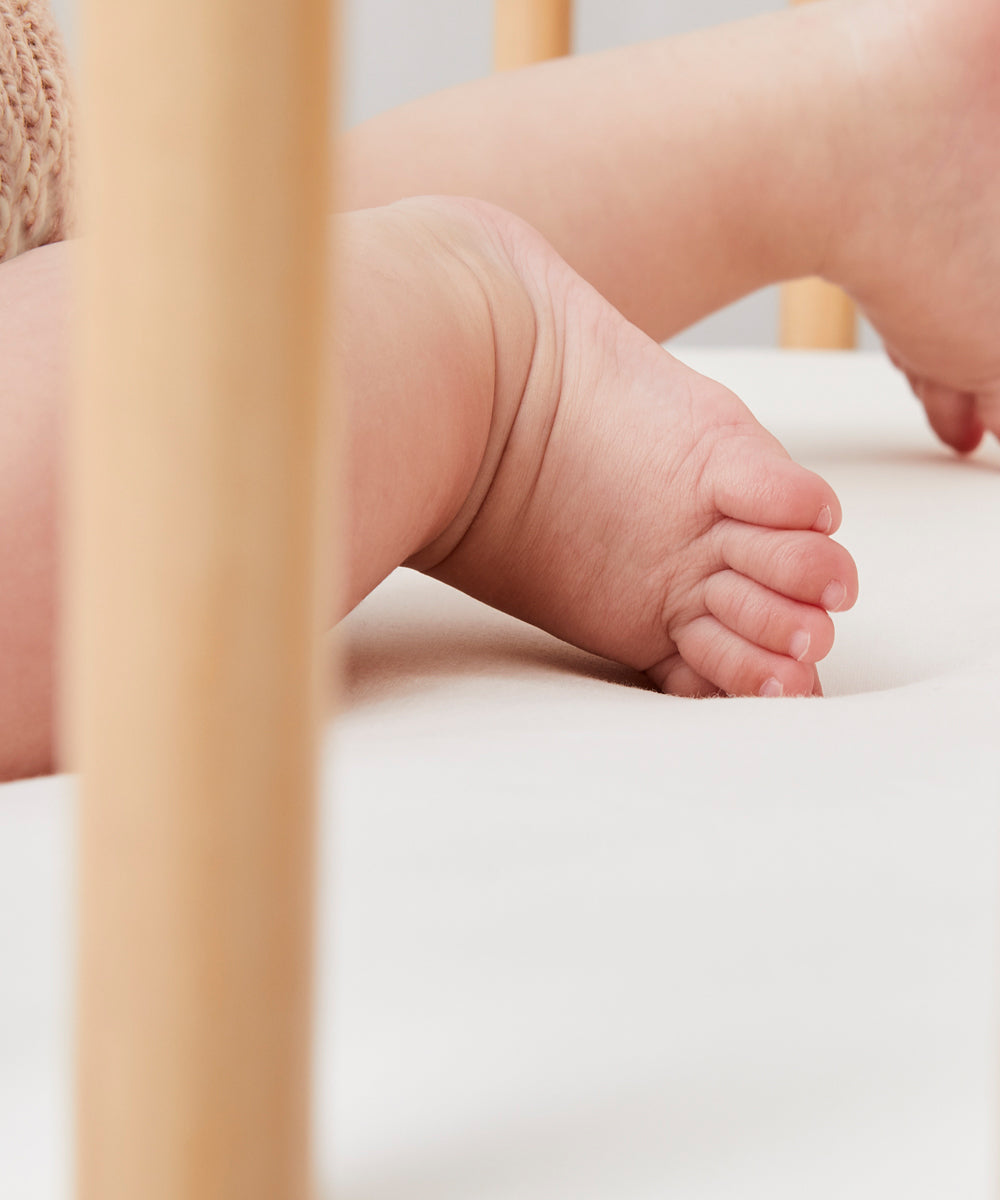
[(195, 607), (530, 31), (815, 315)]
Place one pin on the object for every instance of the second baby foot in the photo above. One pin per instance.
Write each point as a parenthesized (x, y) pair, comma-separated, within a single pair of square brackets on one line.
[(920, 243), (637, 509)]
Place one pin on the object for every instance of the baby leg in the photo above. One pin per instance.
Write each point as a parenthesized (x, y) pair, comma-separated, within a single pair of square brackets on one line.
[(505, 429), (854, 139), (34, 347)]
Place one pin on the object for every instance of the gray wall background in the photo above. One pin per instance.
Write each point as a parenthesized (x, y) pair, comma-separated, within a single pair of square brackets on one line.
[(397, 50)]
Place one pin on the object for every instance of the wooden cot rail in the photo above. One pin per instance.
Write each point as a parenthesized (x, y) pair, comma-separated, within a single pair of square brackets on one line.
[(195, 592), (530, 31), (816, 315), (195, 602)]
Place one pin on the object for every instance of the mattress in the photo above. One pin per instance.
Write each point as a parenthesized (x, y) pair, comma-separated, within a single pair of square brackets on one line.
[(578, 939)]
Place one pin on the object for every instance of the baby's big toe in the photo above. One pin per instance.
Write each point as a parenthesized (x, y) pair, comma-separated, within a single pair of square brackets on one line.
[(952, 415), (759, 484)]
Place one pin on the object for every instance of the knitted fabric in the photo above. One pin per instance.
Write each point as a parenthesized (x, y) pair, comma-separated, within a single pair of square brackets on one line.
[(36, 144)]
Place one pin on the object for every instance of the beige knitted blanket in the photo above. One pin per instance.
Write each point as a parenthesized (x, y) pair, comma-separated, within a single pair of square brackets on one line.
[(36, 143)]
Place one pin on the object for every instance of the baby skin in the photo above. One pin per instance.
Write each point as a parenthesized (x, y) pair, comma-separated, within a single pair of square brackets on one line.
[(854, 139), (625, 503), (507, 431)]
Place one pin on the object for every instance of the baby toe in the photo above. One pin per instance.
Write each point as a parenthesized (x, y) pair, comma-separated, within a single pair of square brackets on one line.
[(804, 566), (803, 632), (952, 415), (676, 677), (738, 666), (987, 404), (759, 484)]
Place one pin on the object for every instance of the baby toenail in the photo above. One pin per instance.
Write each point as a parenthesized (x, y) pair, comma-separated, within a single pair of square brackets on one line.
[(800, 645), (772, 688), (834, 596), (824, 522)]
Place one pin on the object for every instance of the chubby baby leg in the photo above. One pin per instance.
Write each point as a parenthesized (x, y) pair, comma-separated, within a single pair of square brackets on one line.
[(34, 343), (507, 430)]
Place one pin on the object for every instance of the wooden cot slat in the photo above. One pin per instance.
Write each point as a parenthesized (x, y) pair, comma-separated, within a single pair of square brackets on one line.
[(815, 315), (195, 600), (530, 31)]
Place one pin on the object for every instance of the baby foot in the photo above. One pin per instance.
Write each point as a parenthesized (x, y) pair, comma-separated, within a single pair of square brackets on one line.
[(922, 254), (634, 508)]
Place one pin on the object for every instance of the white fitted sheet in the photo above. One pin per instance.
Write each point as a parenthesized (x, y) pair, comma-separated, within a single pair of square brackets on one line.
[(579, 940)]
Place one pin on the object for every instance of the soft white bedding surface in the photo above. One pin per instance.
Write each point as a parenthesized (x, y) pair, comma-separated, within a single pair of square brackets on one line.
[(581, 940)]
